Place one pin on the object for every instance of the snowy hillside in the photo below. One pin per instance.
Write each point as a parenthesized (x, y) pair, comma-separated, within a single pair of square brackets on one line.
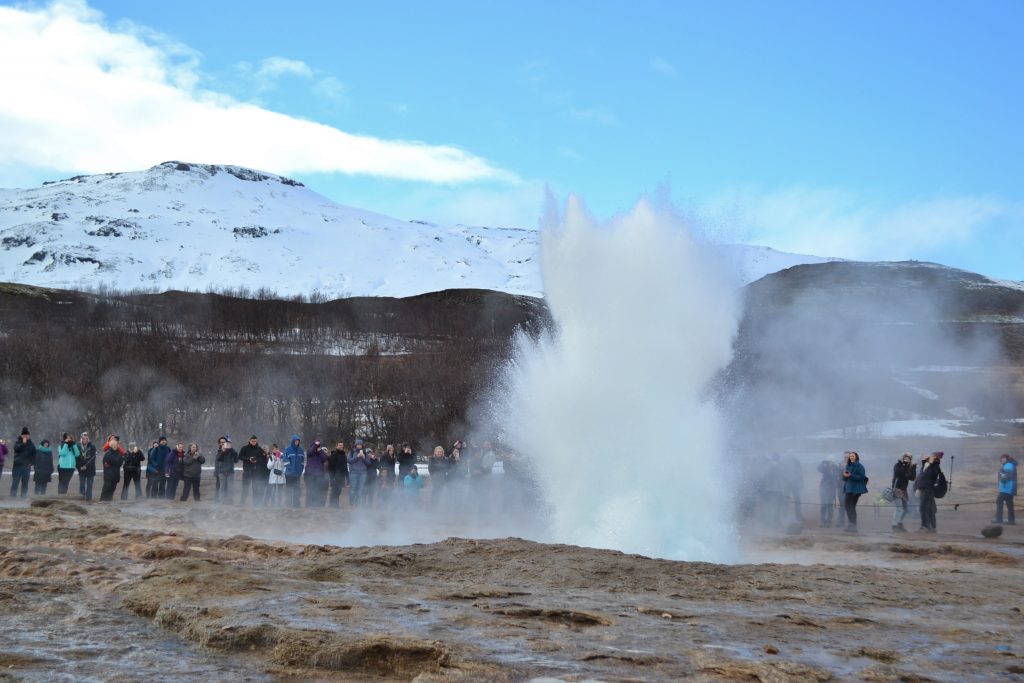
[(199, 227)]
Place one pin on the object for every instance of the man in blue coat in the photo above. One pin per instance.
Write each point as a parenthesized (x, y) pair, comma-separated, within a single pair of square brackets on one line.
[(294, 464)]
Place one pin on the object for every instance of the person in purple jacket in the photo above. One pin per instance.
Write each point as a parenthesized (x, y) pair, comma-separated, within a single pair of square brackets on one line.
[(316, 476), (174, 470)]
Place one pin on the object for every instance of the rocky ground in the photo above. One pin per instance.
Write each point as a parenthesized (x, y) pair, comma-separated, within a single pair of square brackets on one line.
[(124, 591)]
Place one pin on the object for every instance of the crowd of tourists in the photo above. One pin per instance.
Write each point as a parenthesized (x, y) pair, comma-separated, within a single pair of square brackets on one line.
[(315, 476), (370, 474), (914, 485)]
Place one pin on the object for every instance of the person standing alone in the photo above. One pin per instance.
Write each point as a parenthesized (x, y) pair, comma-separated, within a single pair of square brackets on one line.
[(1007, 489)]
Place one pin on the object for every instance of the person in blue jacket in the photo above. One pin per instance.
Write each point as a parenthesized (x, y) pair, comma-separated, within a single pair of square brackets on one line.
[(156, 481), (294, 465), (855, 484), (1007, 489)]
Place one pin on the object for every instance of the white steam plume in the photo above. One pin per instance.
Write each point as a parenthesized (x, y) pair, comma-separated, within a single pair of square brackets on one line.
[(611, 406)]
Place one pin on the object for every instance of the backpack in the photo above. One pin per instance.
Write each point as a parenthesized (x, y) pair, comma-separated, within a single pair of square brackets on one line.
[(941, 485)]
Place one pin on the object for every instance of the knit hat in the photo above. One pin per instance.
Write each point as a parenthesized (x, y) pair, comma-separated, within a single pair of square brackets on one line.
[(359, 442), (24, 431)]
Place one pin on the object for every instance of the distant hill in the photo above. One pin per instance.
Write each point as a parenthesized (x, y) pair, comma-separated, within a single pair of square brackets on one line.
[(200, 227), (879, 349)]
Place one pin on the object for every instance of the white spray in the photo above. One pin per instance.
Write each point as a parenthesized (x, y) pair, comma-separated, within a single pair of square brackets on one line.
[(611, 406)]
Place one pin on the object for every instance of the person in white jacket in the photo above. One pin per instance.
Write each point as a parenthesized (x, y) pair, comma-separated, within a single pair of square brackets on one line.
[(275, 482)]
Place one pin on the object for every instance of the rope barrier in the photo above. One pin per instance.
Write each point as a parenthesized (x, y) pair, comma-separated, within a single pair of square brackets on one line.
[(909, 504)]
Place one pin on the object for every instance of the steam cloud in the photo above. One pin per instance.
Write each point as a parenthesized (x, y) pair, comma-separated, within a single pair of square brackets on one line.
[(611, 406)]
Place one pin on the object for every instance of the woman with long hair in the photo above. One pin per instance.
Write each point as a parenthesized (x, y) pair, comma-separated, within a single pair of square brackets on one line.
[(855, 484)]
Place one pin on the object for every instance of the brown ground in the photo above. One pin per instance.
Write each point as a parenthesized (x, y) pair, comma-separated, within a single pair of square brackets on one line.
[(164, 590)]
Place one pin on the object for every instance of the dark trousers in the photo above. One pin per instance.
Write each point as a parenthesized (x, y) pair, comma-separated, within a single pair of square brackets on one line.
[(850, 505), (294, 487), (40, 488), (337, 484), (156, 485), (828, 506), (316, 490), (172, 487), (131, 476), (928, 510), (64, 475), (191, 484), (248, 479), (1007, 500), (259, 489), (19, 478), (109, 486), (222, 492), (85, 484)]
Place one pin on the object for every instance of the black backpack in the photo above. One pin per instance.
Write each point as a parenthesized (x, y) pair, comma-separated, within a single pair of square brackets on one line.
[(941, 485)]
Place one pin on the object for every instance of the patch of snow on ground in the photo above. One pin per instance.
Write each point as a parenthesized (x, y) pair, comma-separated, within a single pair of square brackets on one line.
[(942, 429)]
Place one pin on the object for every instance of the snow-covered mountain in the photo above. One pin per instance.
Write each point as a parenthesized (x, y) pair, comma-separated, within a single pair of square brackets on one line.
[(200, 227)]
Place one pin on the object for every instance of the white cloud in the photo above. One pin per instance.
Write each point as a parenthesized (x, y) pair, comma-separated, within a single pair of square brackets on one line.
[(330, 88), (663, 66), (835, 223), (519, 206), (79, 95), (276, 67), (598, 114)]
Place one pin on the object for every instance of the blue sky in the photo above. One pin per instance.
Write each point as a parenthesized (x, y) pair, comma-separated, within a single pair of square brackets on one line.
[(858, 129)]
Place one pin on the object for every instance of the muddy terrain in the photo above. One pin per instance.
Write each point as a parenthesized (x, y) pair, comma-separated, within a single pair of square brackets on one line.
[(162, 591)]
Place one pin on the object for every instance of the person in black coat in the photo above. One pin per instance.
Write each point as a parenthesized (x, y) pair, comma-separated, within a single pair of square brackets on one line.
[(337, 473), (86, 466), (21, 467), (113, 460), (224, 470), (929, 476), (254, 468), (133, 470), (903, 472), (192, 471), (406, 461)]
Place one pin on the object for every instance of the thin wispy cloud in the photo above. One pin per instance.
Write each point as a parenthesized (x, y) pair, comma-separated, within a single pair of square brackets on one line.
[(663, 67), (567, 152), (82, 95), (330, 88), (272, 68), (600, 114), (836, 223)]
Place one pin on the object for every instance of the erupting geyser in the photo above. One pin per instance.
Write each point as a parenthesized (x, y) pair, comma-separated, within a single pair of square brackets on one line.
[(611, 405)]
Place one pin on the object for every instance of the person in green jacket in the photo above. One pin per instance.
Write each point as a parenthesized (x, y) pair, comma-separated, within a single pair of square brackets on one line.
[(43, 467), (67, 461)]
